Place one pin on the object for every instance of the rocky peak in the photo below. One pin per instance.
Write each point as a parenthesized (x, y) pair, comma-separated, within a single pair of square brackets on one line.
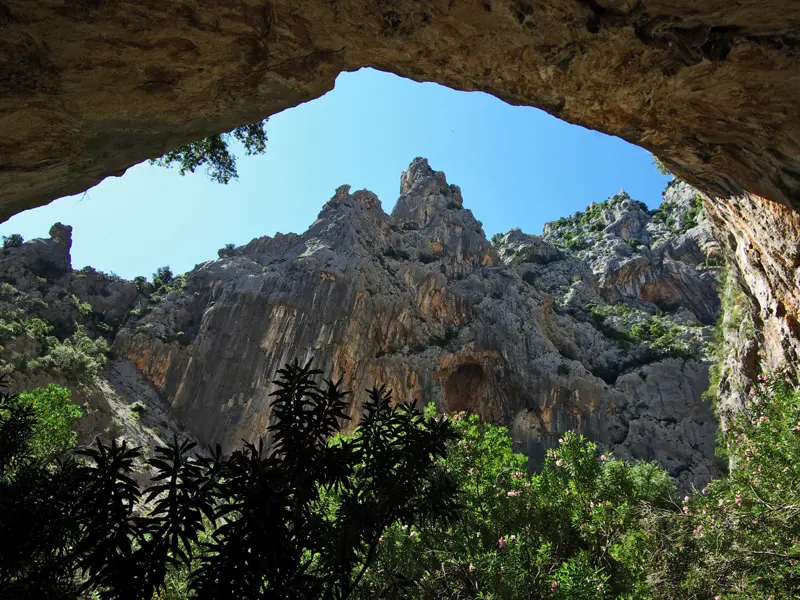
[(666, 256), (417, 300)]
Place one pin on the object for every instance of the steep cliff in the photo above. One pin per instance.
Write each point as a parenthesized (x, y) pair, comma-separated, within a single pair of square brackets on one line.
[(599, 326)]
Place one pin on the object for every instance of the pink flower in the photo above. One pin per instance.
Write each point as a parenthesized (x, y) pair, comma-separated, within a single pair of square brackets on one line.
[(471, 566), (518, 475), (413, 533), (798, 426), (686, 510), (685, 499), (603, 457), (738, 499), (559, 462), (554, 586), (698, 530), (560, 440), (512, 538), (591, 504), (513, 493), (502, 543), (717, 598)]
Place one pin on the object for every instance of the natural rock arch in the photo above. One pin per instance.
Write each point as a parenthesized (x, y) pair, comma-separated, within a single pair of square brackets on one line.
[(88, 89)]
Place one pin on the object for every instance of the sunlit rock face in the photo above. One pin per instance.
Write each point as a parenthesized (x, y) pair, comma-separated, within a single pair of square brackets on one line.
[(419, 300)]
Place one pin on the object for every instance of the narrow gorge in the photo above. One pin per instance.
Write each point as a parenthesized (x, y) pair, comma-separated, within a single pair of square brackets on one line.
[(602, 325)]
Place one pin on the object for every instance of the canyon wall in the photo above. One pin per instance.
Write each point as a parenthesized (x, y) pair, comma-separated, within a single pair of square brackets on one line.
[(602, 325)]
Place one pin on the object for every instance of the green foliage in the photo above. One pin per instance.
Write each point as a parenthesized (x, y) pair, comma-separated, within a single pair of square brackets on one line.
[(78, 358), (740, 537), (214, 153), (162, 277), (664, 215), (140, 283), (497, 238), (14, 240), (138, 408), (302, 520), (693, 214), (55, 416), (660, 166), (571, 531), (662, 336), (635, 243), (733, 328), (84, 308)]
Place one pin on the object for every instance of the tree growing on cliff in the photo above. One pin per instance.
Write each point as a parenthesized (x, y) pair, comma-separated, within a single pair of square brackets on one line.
[(14, 240), (214, 153)]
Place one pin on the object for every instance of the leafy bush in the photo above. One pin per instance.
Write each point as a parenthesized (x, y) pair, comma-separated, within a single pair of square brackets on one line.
[(14, 240), (740, 536), (83, 307), (660, 166), (302, 520), (162, 277), (55, 416), (79, 358), (572, 531), (140, 283), (497, 238)]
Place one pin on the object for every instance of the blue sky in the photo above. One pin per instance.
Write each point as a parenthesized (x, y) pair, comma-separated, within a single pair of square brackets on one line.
[(517, 167)]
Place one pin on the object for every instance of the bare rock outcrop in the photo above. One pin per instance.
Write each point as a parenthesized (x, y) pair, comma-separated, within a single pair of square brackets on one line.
[(421, 301)]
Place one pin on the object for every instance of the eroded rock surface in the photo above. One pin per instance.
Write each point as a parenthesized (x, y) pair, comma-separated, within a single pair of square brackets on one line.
[(86, 91), (544, 334), (418, 299)]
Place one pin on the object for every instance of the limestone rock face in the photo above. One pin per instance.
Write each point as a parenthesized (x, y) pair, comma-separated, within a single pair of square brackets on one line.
[(86, 92), (37, 284), (761, 241), (659, 256), (419, 300)]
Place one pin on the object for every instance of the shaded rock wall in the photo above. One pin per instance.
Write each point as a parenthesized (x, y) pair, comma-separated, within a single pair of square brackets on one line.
[(88, 89)]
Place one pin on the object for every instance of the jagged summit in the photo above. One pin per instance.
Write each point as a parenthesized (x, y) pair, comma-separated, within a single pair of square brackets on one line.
[(529, 332)]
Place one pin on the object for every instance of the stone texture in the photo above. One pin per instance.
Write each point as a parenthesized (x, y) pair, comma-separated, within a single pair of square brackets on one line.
[(419, 300), (761, 241), (87, 90), (37, 281)]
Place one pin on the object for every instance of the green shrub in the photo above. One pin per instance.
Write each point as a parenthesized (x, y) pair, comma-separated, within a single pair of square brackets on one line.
[(301, 519), (571, 531), (78, 358), (162, 277), (740, 536), (14, 240), (84, 308), (55, 415), (496, 239)]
